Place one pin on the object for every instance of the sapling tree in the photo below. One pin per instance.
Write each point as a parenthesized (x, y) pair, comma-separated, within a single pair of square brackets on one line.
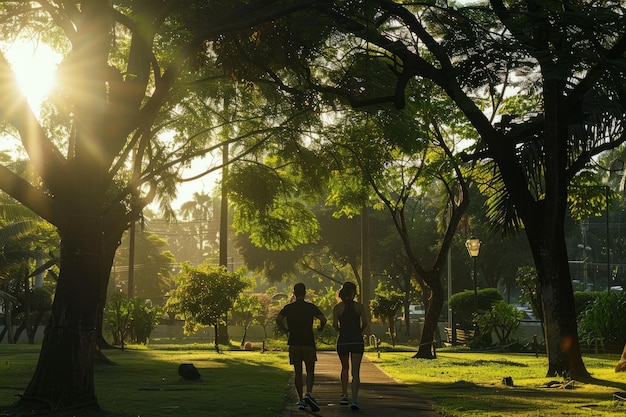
[(204, 295)]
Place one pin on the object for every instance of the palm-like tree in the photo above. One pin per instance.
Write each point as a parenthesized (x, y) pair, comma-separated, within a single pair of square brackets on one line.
[(27, 246)]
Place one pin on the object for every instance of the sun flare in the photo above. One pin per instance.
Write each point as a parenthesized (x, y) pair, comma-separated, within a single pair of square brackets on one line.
[(34, 67)]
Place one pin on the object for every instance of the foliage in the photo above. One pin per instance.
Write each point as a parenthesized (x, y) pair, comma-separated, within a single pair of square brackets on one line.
[(28, 253), (152, 269), (194, 237), (386, 306), (326, 299), (246, 309), (464, 306), (204, 294), (333, 257), (267, 208), (567, 75), (589, 197), (501, 318), (270, 302), (584, 300), (601, 324), (130, 320), (526, 281), (141, 92)]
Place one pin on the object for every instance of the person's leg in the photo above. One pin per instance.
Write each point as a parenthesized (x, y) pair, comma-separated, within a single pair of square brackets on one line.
[(356, 374), (310, 374), (309, 363), (297, 368), (295, 358), (345, 368), (309, 357)]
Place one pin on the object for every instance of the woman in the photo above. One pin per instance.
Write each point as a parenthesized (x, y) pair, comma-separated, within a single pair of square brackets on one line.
[(350, 320)]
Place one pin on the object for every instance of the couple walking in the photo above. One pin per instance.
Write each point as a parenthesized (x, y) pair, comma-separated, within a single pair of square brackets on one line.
[(349, 319)]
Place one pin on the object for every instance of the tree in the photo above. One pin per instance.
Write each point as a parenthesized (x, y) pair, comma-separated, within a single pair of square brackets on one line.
[(200, 224), (152, 266), (271, 305), (385, 306), (401, 163), (246, 310), (567, 57), (204, 295), (29, 248), (98, 159), (369, 157)]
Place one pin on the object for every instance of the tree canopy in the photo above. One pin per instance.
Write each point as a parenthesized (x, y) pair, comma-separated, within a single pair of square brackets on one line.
[(203, 296)]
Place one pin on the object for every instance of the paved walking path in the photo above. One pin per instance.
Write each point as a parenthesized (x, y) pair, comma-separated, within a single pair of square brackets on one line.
[(380, 395)]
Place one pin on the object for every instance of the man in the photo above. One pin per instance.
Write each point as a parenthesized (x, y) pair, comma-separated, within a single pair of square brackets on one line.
[(300, 315)]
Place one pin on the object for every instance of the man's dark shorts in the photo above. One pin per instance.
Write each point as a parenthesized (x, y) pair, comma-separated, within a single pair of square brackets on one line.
[(299, 354)]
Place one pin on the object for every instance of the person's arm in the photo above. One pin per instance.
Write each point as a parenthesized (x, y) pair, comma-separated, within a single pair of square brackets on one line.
[(336, 317), (322, 318), (364, 318), (280, 322)]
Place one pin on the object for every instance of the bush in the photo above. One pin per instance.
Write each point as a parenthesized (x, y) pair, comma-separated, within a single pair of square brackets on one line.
[(584, 299), (502, 319), (130, 319), (462, 305), (601, 325)]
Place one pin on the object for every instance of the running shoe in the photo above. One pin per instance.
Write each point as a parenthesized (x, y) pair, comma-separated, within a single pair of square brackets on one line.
[(344, 400), (301, 405), (308, 398), (354, 406)]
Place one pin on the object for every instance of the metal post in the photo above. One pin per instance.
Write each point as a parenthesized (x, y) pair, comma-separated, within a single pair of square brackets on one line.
[(475, 289), (608, 245)]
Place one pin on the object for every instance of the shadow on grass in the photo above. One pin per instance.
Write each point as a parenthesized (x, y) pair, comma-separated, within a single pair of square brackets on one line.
[(464, 396), (605, 383), (147, 383)]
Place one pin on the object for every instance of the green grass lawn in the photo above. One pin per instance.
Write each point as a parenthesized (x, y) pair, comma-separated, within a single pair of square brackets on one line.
[(145, 382), (465, 383)]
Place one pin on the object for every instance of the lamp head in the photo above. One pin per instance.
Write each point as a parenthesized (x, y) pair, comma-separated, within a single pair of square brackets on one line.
[(473, 246)]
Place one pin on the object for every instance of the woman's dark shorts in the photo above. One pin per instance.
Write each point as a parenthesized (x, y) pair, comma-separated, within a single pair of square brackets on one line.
[(344, 350)]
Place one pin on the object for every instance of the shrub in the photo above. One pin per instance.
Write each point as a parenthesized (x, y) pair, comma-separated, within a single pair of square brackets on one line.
[(131, 319), (601, 325), (462, 305), (584, 299), (502, 319)]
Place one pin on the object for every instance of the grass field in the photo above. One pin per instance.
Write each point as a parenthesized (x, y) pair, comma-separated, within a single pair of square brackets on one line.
[(465, 383), (145, 382)]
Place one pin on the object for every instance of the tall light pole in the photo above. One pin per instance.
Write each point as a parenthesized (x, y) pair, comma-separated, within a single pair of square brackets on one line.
[(473, 247), (608, 244)]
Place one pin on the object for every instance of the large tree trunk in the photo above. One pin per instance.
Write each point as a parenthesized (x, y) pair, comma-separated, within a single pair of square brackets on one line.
[(64, 374), (561, 332)]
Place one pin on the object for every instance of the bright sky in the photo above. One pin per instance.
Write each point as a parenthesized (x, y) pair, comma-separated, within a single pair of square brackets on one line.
[(34, 66)]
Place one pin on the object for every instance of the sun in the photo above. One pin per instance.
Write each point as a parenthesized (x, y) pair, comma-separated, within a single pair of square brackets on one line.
[(34, 66)]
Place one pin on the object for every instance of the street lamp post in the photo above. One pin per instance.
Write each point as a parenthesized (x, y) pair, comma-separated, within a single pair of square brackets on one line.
[(473, 247)]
